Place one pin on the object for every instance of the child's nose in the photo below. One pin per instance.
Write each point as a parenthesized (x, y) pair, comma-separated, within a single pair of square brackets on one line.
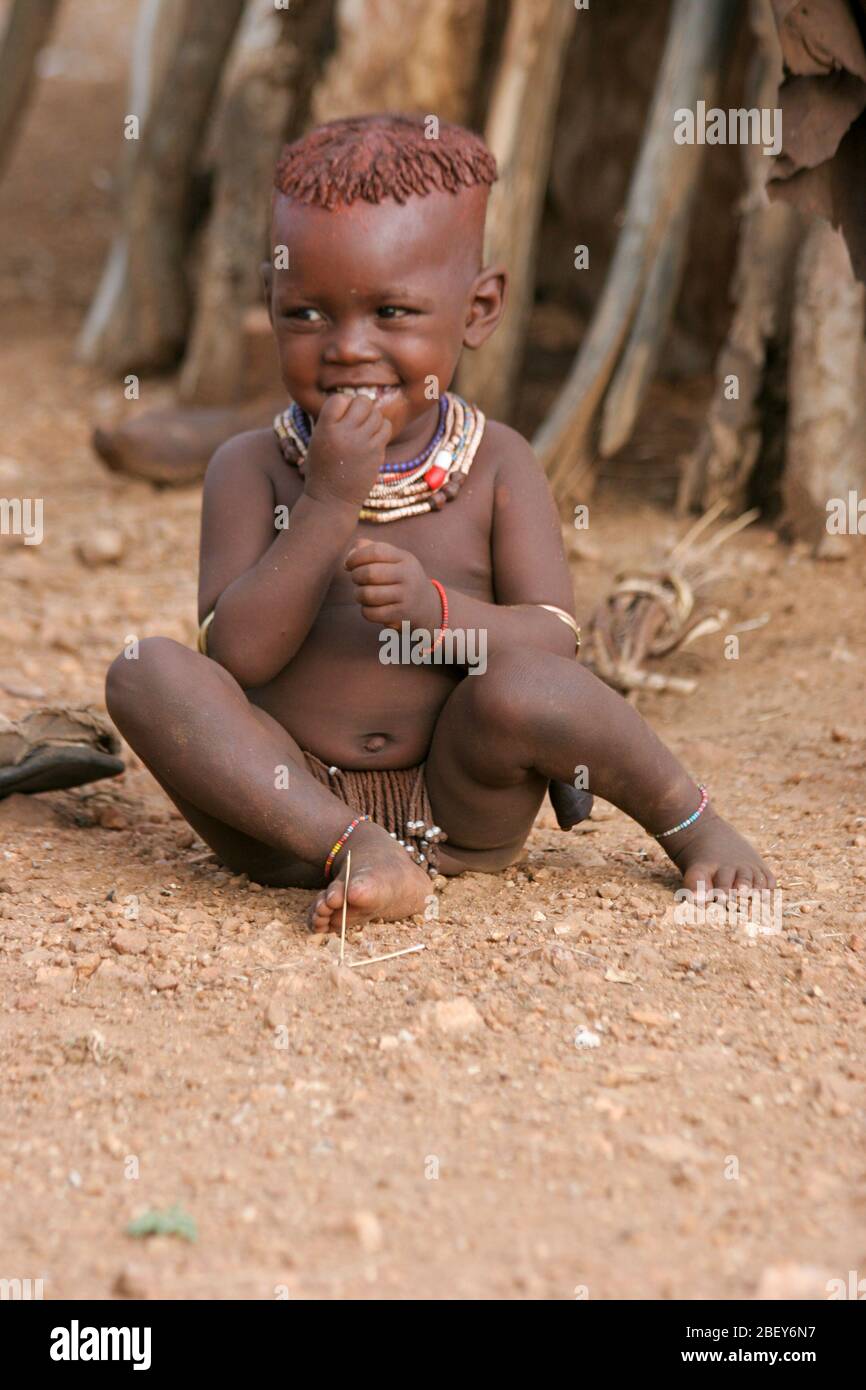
[(349, 342)]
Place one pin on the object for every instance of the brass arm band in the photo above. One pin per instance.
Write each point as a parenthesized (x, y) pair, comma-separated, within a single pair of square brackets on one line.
[(563, 618), (202, 633), (551, 608)]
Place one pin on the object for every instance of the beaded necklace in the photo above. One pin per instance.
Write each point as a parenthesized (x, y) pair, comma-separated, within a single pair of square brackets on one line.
[(421, 484)]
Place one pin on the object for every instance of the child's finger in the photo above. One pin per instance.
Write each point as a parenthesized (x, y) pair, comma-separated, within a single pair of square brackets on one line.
[(373, 574), (390, 615), (382, 433), (378, 595), (366, 552)]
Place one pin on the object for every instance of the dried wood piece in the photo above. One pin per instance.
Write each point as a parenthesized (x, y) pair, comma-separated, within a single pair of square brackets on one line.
[(138, 319), (823, 100), (736, 430), (696, 38), (639, 360), (519, 132), (27, 28), (402, 55), (652, 613), (265, 93), (820, 37), (826, 436)]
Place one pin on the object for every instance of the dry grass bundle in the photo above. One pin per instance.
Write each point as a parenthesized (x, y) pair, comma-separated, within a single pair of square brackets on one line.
[(652, 613)]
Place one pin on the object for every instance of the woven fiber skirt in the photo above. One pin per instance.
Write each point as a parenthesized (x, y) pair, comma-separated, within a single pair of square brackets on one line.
[(395, 798)]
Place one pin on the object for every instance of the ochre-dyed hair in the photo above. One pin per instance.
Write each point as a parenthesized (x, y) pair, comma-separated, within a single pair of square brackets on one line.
[(376, 157)]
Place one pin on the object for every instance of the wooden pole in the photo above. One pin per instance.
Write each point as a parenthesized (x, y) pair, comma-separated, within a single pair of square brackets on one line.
[(520, 134), (695, 40), (416, 56), (826, 435), (27, 29), (265, 88), (138, 319)]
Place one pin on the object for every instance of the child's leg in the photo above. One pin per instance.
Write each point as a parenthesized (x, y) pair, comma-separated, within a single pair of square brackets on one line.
[(532, 717), (219, 758)]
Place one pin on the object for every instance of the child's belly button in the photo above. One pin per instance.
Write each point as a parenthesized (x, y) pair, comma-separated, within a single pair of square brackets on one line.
[(374, 743)]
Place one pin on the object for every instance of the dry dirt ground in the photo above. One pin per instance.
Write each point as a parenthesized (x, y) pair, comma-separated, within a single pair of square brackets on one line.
[(172, 1037)]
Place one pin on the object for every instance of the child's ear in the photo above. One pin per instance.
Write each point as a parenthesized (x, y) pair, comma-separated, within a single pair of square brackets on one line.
[(486, 305), (267, 274)]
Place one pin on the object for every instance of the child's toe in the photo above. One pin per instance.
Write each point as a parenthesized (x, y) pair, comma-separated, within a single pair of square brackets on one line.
[(319, 915), (744, 879), (333, 895), (362, 890), (699, 878)]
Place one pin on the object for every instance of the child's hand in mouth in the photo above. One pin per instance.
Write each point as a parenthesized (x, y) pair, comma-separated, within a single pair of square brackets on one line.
[(347, 449), (378, 392)]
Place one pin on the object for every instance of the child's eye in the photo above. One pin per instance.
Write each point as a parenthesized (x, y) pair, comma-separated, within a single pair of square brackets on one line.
[(305, 315), (393, 311)]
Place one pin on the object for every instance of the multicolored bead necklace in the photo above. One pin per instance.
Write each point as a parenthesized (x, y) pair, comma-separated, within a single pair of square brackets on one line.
[(421, 484)]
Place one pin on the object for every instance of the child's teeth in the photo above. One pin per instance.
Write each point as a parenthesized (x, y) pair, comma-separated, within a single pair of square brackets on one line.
[(369, 391)]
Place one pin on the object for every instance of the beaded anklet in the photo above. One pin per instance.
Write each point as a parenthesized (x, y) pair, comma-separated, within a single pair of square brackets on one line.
[(339, 845), (690, 820)]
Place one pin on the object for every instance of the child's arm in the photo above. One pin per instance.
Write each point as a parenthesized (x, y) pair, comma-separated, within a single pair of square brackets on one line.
[(265, 586), (529, 567)]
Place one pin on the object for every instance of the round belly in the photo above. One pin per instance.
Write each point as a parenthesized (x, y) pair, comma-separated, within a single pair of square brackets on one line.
[(340, 702)]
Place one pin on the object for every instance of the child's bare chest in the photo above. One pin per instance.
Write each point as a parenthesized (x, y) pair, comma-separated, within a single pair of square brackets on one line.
[(452, 545)]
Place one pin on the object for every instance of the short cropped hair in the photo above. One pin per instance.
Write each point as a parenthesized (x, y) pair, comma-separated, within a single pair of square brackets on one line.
[(383, 156)]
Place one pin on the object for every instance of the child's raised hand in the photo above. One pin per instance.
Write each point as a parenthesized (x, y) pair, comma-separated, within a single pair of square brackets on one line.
[(347, 449), (391, 586)]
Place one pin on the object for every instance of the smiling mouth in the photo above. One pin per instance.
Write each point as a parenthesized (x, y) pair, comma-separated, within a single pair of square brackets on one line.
[(373, 393)]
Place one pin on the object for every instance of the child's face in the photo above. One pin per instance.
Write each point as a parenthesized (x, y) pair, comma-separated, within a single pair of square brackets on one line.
[(382, 296)]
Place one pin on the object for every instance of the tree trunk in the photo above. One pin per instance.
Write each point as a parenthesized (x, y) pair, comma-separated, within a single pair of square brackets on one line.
[(657, 196), (747, 409), (402, 55), (157, 30), (520, 133), (264, 89), (746, 419), (139, 317), (27, 29), (826, 440)]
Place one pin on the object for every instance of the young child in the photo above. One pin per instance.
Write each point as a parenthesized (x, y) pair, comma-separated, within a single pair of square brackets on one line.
[(379, 499)]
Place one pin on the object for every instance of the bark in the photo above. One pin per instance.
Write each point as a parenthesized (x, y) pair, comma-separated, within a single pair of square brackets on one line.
[(263, 98), (520, 133), (637, 365), (739, 426), (696, 38), (826, 445), (822, 99), (795, 346), (139, 318), (27, 29), (745, 420), (402, 55)]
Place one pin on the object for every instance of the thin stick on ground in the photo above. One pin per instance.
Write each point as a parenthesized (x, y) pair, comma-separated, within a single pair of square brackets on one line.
[(392, 955), (345, 906)]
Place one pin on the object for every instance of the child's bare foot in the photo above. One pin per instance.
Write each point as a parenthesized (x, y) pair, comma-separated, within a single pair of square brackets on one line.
[(385, 883), (711, 852)]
